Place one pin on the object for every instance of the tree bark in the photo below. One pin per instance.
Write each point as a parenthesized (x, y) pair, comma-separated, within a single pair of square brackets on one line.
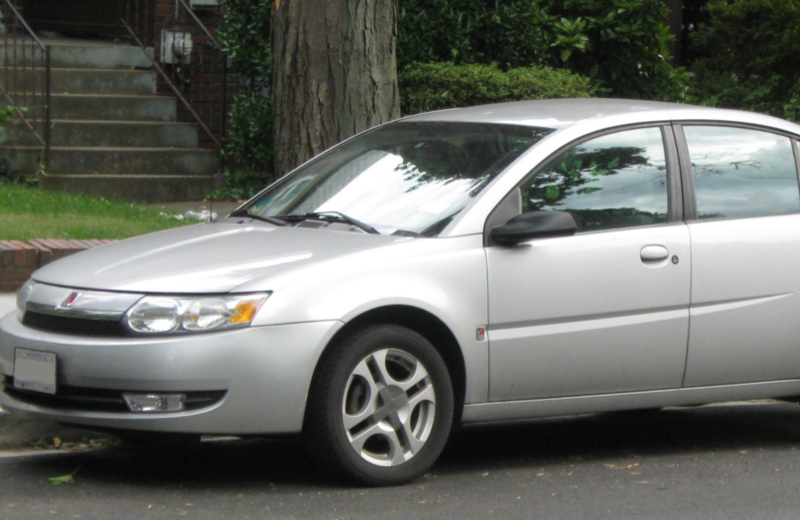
[(334, 73)]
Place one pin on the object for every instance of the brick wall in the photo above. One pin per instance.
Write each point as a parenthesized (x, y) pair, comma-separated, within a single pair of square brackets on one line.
[(19, 259)]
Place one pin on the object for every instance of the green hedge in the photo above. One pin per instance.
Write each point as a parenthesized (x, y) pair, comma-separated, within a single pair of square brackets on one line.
[(436, 86), (623, 45), (750, 56)]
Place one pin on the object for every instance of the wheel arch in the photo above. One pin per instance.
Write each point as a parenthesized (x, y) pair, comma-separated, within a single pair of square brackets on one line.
[(422, 322)]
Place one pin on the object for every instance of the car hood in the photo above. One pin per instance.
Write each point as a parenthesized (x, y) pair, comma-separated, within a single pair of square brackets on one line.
[(205, 258)]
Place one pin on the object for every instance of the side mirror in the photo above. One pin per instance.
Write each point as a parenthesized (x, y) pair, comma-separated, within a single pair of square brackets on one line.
[(535, 224)]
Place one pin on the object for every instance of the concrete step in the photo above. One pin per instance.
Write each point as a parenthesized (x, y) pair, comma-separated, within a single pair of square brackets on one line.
[(114, 108), (144, 188), (117, 161), (86, 81), (107, 133), (108, 56), (90, 107)]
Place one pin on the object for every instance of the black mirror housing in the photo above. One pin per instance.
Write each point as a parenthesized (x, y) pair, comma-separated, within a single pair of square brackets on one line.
[(535, 224)]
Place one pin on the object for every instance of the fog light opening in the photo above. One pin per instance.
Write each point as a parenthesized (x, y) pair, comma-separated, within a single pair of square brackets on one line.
[(155, 403)]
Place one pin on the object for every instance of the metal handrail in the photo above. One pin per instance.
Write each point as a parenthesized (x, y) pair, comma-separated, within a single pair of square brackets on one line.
[(171, 84), (201, 24), (224, 65), (196, 78), (43, 136), (24, 24)]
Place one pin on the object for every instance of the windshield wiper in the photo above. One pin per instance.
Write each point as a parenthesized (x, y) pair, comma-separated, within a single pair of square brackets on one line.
[(256, 216), (333, 215), (350, 220)]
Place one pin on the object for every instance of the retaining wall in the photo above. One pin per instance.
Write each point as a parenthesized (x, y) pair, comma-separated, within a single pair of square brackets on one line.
[(19, 259)]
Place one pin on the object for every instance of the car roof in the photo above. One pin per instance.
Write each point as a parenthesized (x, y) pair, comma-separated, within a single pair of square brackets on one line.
[(563, 113)]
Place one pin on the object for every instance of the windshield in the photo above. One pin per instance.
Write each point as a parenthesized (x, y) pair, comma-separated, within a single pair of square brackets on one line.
[(402, 178)]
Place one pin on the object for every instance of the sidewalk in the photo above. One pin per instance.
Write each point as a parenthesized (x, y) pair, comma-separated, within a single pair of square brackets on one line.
[(221, 209), (20, 432)]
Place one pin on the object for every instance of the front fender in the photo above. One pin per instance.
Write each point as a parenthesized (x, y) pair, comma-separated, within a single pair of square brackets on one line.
[(445, 277)]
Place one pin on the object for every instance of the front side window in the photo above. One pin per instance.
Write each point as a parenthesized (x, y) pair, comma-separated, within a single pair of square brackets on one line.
[(614, 181), (740, 172), (403, 178)]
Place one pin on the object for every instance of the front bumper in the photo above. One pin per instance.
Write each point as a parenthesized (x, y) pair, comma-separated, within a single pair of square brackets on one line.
[(263, 374)]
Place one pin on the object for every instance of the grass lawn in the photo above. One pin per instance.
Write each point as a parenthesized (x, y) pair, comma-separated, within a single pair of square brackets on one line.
[(27, 213)]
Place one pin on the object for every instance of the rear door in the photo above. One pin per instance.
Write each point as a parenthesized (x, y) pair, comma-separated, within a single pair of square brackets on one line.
[(605, 310), (745, 231)]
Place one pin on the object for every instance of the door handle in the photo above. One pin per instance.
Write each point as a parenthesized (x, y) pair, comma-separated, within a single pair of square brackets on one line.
[(654, 253)]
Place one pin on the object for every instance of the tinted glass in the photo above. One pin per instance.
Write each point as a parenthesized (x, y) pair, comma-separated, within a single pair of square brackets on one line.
[(740, 172), (402, 177), (614, 181)]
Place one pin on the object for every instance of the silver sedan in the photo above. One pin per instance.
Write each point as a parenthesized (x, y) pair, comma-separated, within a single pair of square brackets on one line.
[(490, 263)]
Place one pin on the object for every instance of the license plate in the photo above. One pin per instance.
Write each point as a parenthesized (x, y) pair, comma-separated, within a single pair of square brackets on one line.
[(34, 370)]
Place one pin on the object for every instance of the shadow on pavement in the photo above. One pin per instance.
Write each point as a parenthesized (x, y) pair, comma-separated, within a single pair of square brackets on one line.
[(672, 431), (254, 464)]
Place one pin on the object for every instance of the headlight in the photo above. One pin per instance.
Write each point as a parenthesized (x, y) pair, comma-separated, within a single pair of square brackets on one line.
[(22, 297), (176, 315)]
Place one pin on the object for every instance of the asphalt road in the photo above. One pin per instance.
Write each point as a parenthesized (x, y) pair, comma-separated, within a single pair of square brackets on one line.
[(726, 462)]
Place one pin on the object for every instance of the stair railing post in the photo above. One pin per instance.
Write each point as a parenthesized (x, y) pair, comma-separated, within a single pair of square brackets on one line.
[(13, 75), (224, 106), (47, 112)]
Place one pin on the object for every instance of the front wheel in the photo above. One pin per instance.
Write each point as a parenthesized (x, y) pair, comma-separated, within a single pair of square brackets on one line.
[(380, 408)]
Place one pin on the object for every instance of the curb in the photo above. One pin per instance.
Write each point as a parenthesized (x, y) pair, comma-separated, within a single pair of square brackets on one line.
[(21, 433), (18, 260)]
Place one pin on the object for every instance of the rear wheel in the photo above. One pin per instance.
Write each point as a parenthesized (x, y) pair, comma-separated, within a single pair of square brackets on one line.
[(380, 408)]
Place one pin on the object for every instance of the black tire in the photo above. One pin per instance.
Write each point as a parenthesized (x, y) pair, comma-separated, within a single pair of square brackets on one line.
[(349, 384)]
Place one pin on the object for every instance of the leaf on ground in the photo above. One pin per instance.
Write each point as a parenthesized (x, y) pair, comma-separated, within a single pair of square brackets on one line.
[(63, 479), (41, 443)]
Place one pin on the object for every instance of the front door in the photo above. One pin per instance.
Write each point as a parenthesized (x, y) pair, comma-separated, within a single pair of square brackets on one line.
[(605, 310)]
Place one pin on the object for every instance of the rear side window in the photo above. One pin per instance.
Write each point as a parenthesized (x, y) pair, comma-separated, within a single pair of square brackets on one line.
[(740, 172), (614, 181)]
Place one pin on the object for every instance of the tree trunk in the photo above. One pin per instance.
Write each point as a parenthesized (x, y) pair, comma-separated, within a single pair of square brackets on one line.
[(334, 73)]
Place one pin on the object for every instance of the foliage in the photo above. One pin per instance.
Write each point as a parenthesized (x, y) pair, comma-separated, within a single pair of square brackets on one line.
[(239, 184), (576, 173), (5, 115), (435, 86), (248, 145), (249, 141), (27, 213), (623, 45), (748, 56), (245, 37), (64, 479), (8, 172)]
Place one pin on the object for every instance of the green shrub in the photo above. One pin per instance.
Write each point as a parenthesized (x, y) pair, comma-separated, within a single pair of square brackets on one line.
[(472, 31), (623, 45), (9, 173), (248, 149), (435, 86), (749, 56), (249, 141)]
